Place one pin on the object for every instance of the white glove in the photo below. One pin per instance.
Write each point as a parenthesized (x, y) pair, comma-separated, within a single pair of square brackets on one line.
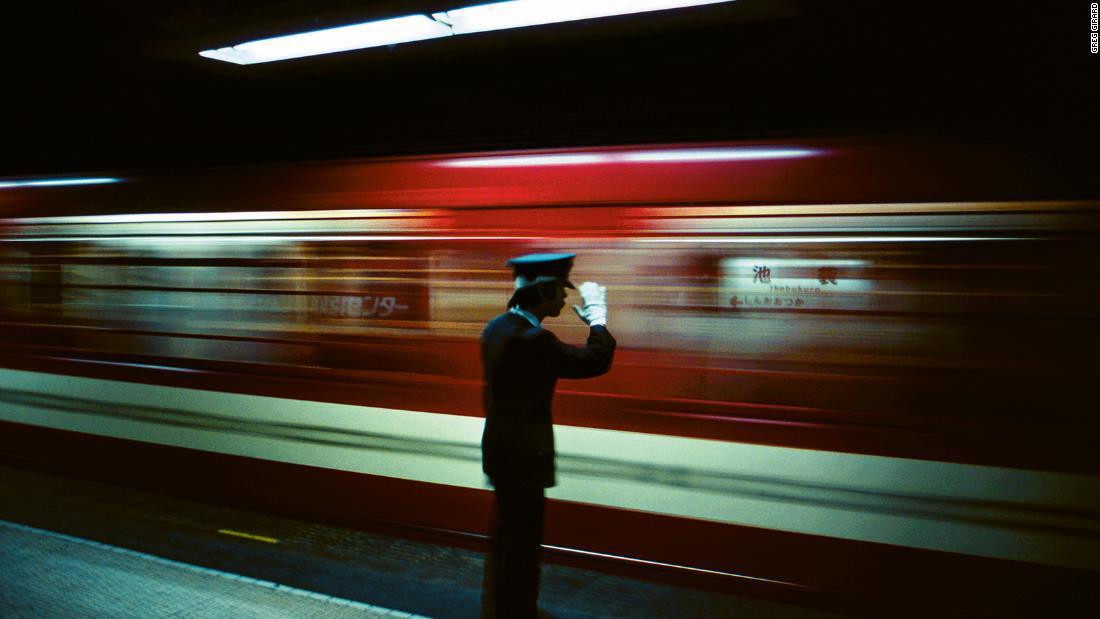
[(594, 311)]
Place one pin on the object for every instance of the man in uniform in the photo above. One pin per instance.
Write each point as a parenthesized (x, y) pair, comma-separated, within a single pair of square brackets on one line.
[(522, 363)]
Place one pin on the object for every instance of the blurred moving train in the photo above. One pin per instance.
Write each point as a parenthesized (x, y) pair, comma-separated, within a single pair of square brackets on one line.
[(852, 365)]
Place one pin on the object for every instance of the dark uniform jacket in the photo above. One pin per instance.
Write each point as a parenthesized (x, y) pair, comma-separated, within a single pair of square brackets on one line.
[(522, 365)]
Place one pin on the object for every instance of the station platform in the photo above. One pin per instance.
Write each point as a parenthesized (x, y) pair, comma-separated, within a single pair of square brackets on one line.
[(73, 547), (50, 573)]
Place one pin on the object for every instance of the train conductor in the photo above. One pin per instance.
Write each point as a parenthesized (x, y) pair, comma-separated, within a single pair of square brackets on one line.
[(522, 363)]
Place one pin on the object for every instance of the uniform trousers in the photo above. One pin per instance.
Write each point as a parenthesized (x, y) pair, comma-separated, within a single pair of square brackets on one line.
[(511, 581)]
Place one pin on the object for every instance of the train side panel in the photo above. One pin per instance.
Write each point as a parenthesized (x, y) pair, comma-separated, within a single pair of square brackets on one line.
[(821, 394)]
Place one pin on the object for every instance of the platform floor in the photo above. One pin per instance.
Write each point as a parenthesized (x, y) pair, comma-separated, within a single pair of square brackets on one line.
[(51, 574), (71, 547)]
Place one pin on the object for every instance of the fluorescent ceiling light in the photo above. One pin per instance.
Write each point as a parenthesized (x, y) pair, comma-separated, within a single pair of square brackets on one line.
[(479, 18), (54, 182), (330, 40), (521, 13)]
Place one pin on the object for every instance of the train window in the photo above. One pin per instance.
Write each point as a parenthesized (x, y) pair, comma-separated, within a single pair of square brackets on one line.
[(685, 292)]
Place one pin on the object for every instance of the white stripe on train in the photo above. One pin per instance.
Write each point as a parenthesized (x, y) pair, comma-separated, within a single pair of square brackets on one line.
[(1041, 517)]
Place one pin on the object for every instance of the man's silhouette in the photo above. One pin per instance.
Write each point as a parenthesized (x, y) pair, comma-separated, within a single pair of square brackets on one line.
[(522, 363)]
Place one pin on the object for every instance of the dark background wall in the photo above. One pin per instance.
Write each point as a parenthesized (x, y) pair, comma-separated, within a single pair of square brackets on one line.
[(96, 86)]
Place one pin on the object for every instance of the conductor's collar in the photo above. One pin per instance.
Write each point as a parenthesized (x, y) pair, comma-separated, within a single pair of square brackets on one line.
[(531, 318)]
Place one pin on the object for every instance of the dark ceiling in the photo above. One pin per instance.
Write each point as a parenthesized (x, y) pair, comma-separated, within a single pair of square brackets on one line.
[(108, 85)]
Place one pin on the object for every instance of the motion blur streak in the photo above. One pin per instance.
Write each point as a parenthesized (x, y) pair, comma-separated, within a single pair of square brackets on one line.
[(716, 154), (526, 160), (832, 239), (652, 156), (58, 182), (844, 372), (888, 500), (243, 216), (686, 213), (118, 237)]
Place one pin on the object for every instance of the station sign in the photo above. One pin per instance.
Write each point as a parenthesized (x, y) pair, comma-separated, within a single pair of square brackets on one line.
[(794, 284)]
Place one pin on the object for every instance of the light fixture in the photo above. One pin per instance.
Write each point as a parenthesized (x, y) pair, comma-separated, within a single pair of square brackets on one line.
[(54, 182), (478, 18), (330, 40), (522, 13)]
